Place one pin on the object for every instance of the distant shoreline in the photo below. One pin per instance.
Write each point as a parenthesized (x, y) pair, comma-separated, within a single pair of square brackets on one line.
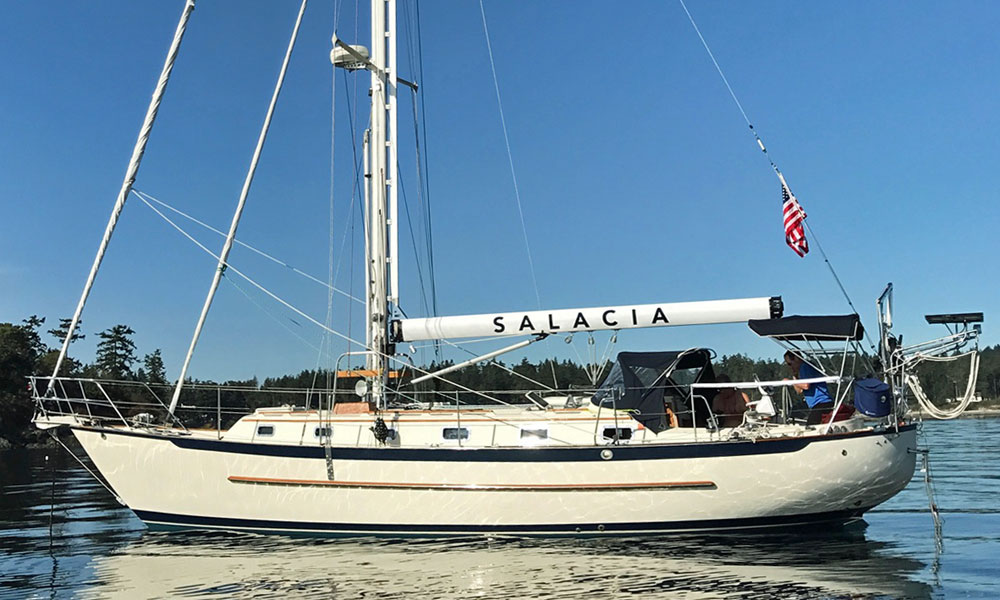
[(969, 413)]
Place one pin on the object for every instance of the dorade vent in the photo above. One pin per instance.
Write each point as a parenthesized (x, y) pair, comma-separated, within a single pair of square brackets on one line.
[(325, 431), (617, 433), (265, 430), (455, 433)]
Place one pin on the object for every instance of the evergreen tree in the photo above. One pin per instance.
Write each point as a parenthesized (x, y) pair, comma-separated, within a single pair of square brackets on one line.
[(60, 332), (31, 325), (19, 346), (116, 352), (47, 357), (154, 370), (740, 367)]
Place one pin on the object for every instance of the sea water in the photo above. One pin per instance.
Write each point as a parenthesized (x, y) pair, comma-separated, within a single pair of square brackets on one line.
[(71, 539)]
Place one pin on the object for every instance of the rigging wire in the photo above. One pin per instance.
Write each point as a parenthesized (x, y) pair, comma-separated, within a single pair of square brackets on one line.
[(149, 198), (513, 174), (280, 321), (286, 304), (606, 355), (325, 340), (86, 468), (229, 267), (500, 365), (324, 336), (569, 340), (510, 156), (356, 193), (413, 241), (240, 206), (429, 232), (777, 172), (410, 52)]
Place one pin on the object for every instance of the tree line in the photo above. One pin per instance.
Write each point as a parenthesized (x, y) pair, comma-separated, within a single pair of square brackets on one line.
[(24, 352)]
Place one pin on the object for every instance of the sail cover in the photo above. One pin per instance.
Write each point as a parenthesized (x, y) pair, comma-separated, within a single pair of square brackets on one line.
[(570, 320), (646, 382), (810, 328)]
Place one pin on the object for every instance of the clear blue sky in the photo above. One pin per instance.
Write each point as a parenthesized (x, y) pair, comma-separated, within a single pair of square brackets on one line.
[(639, 180)]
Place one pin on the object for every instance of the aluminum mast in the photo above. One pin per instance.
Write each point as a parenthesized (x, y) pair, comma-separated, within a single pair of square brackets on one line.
[(383, 172)]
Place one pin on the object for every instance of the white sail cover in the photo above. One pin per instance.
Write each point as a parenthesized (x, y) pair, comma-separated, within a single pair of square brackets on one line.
[(587, 319)]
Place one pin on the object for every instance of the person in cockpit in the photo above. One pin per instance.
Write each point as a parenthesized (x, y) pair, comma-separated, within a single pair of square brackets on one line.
[(729, 404), (816, 395)]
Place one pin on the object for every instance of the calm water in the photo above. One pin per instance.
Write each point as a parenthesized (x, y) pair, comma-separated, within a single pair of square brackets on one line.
[(99, 550)]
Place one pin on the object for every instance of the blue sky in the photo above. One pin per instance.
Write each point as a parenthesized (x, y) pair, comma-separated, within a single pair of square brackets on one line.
[(638, 178)]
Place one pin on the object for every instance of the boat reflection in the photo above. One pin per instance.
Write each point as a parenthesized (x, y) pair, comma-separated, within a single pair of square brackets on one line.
[(837, 565)]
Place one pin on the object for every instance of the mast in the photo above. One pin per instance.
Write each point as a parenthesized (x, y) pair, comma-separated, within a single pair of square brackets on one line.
[(381, 171), (382, 267)]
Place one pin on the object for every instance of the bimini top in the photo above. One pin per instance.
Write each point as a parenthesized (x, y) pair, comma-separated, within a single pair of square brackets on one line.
[(795, 327), (639, 381)]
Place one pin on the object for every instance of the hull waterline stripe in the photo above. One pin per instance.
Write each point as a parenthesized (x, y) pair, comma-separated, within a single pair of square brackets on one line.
[(160, 520), (525, 487)]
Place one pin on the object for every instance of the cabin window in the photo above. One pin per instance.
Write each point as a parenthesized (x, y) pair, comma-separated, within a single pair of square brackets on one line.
[(265, 430), (455, 433), (323, 432), (621, 433), (534, 434)]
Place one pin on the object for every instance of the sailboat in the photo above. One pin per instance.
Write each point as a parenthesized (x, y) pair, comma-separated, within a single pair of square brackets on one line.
[(645, 452)]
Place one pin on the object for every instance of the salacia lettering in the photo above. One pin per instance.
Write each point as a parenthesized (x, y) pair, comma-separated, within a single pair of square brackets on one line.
[(608, 318)]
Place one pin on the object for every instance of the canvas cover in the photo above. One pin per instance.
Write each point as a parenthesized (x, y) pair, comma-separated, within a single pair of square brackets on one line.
[(873, 397), (645, 382), (810, 328)]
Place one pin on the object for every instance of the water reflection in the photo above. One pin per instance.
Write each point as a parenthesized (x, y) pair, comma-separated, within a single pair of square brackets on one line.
[(841, 565)]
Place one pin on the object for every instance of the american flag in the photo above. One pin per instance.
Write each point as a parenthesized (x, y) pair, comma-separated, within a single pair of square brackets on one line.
[(795, 235)]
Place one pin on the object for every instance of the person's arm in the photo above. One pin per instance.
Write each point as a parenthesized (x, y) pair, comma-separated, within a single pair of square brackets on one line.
[(807, 371), (804, 373)]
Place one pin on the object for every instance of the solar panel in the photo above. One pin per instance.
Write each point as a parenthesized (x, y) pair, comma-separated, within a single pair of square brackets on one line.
[(952, 318)]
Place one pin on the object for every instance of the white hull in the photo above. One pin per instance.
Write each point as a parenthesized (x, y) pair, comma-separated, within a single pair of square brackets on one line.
[(198, 481)]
